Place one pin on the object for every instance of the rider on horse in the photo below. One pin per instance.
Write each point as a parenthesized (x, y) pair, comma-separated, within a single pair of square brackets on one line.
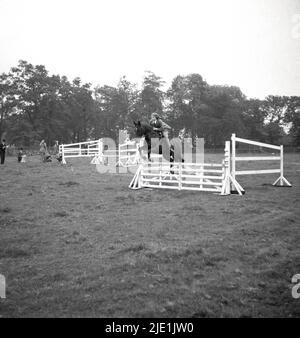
[(160, 127)]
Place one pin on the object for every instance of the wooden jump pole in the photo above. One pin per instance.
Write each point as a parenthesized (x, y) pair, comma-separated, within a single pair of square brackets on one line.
[(63, 161), (230, 184), (282, 180), (233, 155)]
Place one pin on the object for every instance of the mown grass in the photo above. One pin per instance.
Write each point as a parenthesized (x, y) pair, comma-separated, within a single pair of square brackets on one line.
[(78, 243)]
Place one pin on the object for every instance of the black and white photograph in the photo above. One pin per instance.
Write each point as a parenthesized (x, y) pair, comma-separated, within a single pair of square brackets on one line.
[(149, 161)]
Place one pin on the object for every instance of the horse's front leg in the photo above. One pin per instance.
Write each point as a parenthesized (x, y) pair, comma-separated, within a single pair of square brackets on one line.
[(172, 157), (149, 149), (172, 153)]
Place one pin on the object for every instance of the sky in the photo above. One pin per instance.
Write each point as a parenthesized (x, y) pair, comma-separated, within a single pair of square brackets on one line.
[(252, 44)]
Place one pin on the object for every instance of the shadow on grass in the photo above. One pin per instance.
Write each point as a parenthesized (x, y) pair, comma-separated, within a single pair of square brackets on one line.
[(69, 184), (5, 210), (14, 252)]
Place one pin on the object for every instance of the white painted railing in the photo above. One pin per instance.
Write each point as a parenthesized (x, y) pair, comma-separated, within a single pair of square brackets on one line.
[(80, 149), (281, 180), (126, 155)]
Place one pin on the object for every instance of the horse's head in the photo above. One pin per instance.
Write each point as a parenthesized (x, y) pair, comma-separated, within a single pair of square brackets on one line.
[(139, 130)]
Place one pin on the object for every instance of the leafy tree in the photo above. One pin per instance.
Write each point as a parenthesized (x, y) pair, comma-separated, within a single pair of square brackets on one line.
[(79, 110), (275, 109), (32, 94), (151, 96), (46, 107), (224, 114), (130, 100), (253, 117), (188, 103), (108, 107), (292, 118), (6, 104), (212, 112)]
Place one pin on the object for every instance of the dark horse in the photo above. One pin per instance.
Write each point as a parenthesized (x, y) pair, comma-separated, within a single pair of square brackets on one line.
[(157, 144)]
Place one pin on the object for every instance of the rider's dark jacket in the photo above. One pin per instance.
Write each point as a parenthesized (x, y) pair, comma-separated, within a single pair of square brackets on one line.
[(159, 124)]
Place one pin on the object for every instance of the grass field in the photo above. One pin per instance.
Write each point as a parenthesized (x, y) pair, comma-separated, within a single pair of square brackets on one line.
[(78, 243)]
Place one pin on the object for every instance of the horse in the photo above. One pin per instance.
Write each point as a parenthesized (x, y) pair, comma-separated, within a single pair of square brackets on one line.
[(157, 144)]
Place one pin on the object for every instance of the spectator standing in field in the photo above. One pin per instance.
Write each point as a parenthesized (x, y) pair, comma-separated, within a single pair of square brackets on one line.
[(43, 150), (56, 153), (21, 156), (56, 148), (2, 151)]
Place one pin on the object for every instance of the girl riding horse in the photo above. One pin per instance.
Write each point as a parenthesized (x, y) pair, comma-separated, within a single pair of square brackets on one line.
[(156, 137), (160, 127)]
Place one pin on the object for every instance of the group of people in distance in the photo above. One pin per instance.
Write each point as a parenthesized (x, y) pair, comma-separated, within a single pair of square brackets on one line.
[(21, 156), (45, 154)]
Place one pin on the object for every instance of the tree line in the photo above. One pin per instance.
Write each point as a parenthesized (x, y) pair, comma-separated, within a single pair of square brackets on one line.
[(35, 105)]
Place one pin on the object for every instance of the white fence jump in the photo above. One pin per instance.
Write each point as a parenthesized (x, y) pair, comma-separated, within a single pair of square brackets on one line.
[(218, 178), (179, 176), (80, 149), (186, 176), (126, 155)]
